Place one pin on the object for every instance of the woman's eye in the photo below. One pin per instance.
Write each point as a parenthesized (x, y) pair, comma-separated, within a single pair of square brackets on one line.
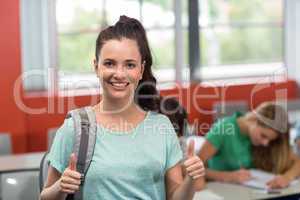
[(108, 64), (264, 136), (131, 65)]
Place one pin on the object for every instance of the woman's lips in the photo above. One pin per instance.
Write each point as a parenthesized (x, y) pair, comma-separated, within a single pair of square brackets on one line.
[(119, 85)]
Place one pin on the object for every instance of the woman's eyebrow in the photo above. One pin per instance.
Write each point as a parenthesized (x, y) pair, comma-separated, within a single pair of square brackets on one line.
[(130, 60), (108, 59)]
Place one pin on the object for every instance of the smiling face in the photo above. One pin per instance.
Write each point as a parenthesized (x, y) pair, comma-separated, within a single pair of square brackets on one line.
[(119, 69), (261, 136)]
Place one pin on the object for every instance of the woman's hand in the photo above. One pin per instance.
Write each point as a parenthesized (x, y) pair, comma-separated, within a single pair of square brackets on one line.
[(278, 182), (240, 176), (193, 165), (70, 179)]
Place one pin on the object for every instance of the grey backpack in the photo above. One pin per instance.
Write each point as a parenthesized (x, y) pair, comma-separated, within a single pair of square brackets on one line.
[(85, 138)]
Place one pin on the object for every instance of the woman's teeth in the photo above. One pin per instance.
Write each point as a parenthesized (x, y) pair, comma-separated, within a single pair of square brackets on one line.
[(119, 84)]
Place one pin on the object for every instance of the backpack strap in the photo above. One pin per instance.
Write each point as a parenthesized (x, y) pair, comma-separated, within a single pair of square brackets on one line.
[(85, 138)]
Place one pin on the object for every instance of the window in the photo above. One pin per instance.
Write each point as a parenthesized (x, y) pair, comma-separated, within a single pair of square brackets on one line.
[(79, 22), (241, 31), (235, 33)]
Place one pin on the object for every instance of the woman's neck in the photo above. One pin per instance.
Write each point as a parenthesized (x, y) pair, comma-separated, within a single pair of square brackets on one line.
[(117, 108), (243, 124)]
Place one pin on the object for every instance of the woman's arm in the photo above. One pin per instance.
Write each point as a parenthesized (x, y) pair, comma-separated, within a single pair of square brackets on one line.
[(238, 176), (207, 151), (294, 171), (178, 188), (181, 189), (284, 180), (51, 189), (198, 185), (59, 185)]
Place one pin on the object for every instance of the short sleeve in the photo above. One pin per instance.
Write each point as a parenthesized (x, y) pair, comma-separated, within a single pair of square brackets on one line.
[(62, 146), (215, 134), (174, 152)]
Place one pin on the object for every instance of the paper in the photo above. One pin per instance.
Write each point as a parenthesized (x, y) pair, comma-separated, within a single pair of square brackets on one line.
[(260, 178)]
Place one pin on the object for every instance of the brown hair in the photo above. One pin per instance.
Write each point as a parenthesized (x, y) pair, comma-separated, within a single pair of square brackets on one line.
[(146, 94), (276, 156), (176, 113)]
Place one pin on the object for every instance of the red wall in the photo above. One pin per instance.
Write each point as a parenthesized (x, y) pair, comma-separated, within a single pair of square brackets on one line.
[(38, 125), (29, 131), (11, 118)]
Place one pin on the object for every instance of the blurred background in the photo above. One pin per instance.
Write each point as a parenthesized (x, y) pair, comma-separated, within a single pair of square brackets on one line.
[(205, 52), (214, 56)]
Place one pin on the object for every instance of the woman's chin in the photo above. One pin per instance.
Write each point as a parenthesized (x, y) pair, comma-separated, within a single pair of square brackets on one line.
[(119, 96)]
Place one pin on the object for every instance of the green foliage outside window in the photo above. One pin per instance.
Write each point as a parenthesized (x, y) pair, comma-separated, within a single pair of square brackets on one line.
[(252, 44)]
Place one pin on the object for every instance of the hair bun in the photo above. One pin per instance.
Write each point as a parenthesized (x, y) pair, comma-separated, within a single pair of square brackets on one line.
[(128, 21)]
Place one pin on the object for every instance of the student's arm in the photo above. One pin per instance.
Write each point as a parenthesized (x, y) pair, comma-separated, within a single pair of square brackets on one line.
[(208, 151), (59, 185), (294, 171), (283, 181), (179, 188), (51, 189), (176, 186), (198, 185)]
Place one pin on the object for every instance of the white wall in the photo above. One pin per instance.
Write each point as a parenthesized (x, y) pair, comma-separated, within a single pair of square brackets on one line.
[(292, 38), (38, 40)]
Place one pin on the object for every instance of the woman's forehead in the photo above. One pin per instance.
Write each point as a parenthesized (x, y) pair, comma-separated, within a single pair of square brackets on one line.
[(118, 49)]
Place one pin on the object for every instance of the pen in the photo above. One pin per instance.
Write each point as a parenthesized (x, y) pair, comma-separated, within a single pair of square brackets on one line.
[(268, 191), (273, 192)]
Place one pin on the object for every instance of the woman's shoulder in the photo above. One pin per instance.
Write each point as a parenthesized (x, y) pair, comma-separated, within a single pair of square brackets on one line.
[(66, 128), (227, 120), (158, 116)]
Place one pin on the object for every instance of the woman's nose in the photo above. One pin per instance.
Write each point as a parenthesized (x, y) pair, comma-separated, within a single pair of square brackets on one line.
[(266, 143), (120, 72)]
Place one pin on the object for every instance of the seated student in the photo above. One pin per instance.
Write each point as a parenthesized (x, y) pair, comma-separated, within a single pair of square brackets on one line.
[(179, 118), (257, 139)]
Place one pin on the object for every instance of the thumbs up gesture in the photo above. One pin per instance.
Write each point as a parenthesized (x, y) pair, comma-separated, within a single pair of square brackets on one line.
[(70, 179), (193, 165)]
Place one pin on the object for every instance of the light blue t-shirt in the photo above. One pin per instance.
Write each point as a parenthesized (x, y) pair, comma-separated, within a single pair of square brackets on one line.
[(124, 165)]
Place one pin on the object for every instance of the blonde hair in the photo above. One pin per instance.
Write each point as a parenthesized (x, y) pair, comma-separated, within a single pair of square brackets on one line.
[(275, 157)]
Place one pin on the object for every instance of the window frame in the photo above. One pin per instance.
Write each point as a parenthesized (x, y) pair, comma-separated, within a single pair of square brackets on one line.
[(53, 81)]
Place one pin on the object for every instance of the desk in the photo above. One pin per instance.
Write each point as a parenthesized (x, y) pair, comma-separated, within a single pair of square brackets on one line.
[(237, 192), (21, 162), (19, 175)]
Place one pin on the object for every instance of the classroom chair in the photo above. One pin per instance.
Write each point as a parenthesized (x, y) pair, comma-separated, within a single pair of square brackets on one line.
[(5, 144)]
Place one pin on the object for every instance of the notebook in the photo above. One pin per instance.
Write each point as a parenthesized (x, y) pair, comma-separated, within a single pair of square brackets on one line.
[(260, 178)]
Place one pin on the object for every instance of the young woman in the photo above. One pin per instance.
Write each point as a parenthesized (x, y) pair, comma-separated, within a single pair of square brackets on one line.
[(137, 153), (257, 139)]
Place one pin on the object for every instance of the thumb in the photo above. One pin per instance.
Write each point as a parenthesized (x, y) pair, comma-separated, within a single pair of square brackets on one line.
[(191, 148), (72, 162)]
